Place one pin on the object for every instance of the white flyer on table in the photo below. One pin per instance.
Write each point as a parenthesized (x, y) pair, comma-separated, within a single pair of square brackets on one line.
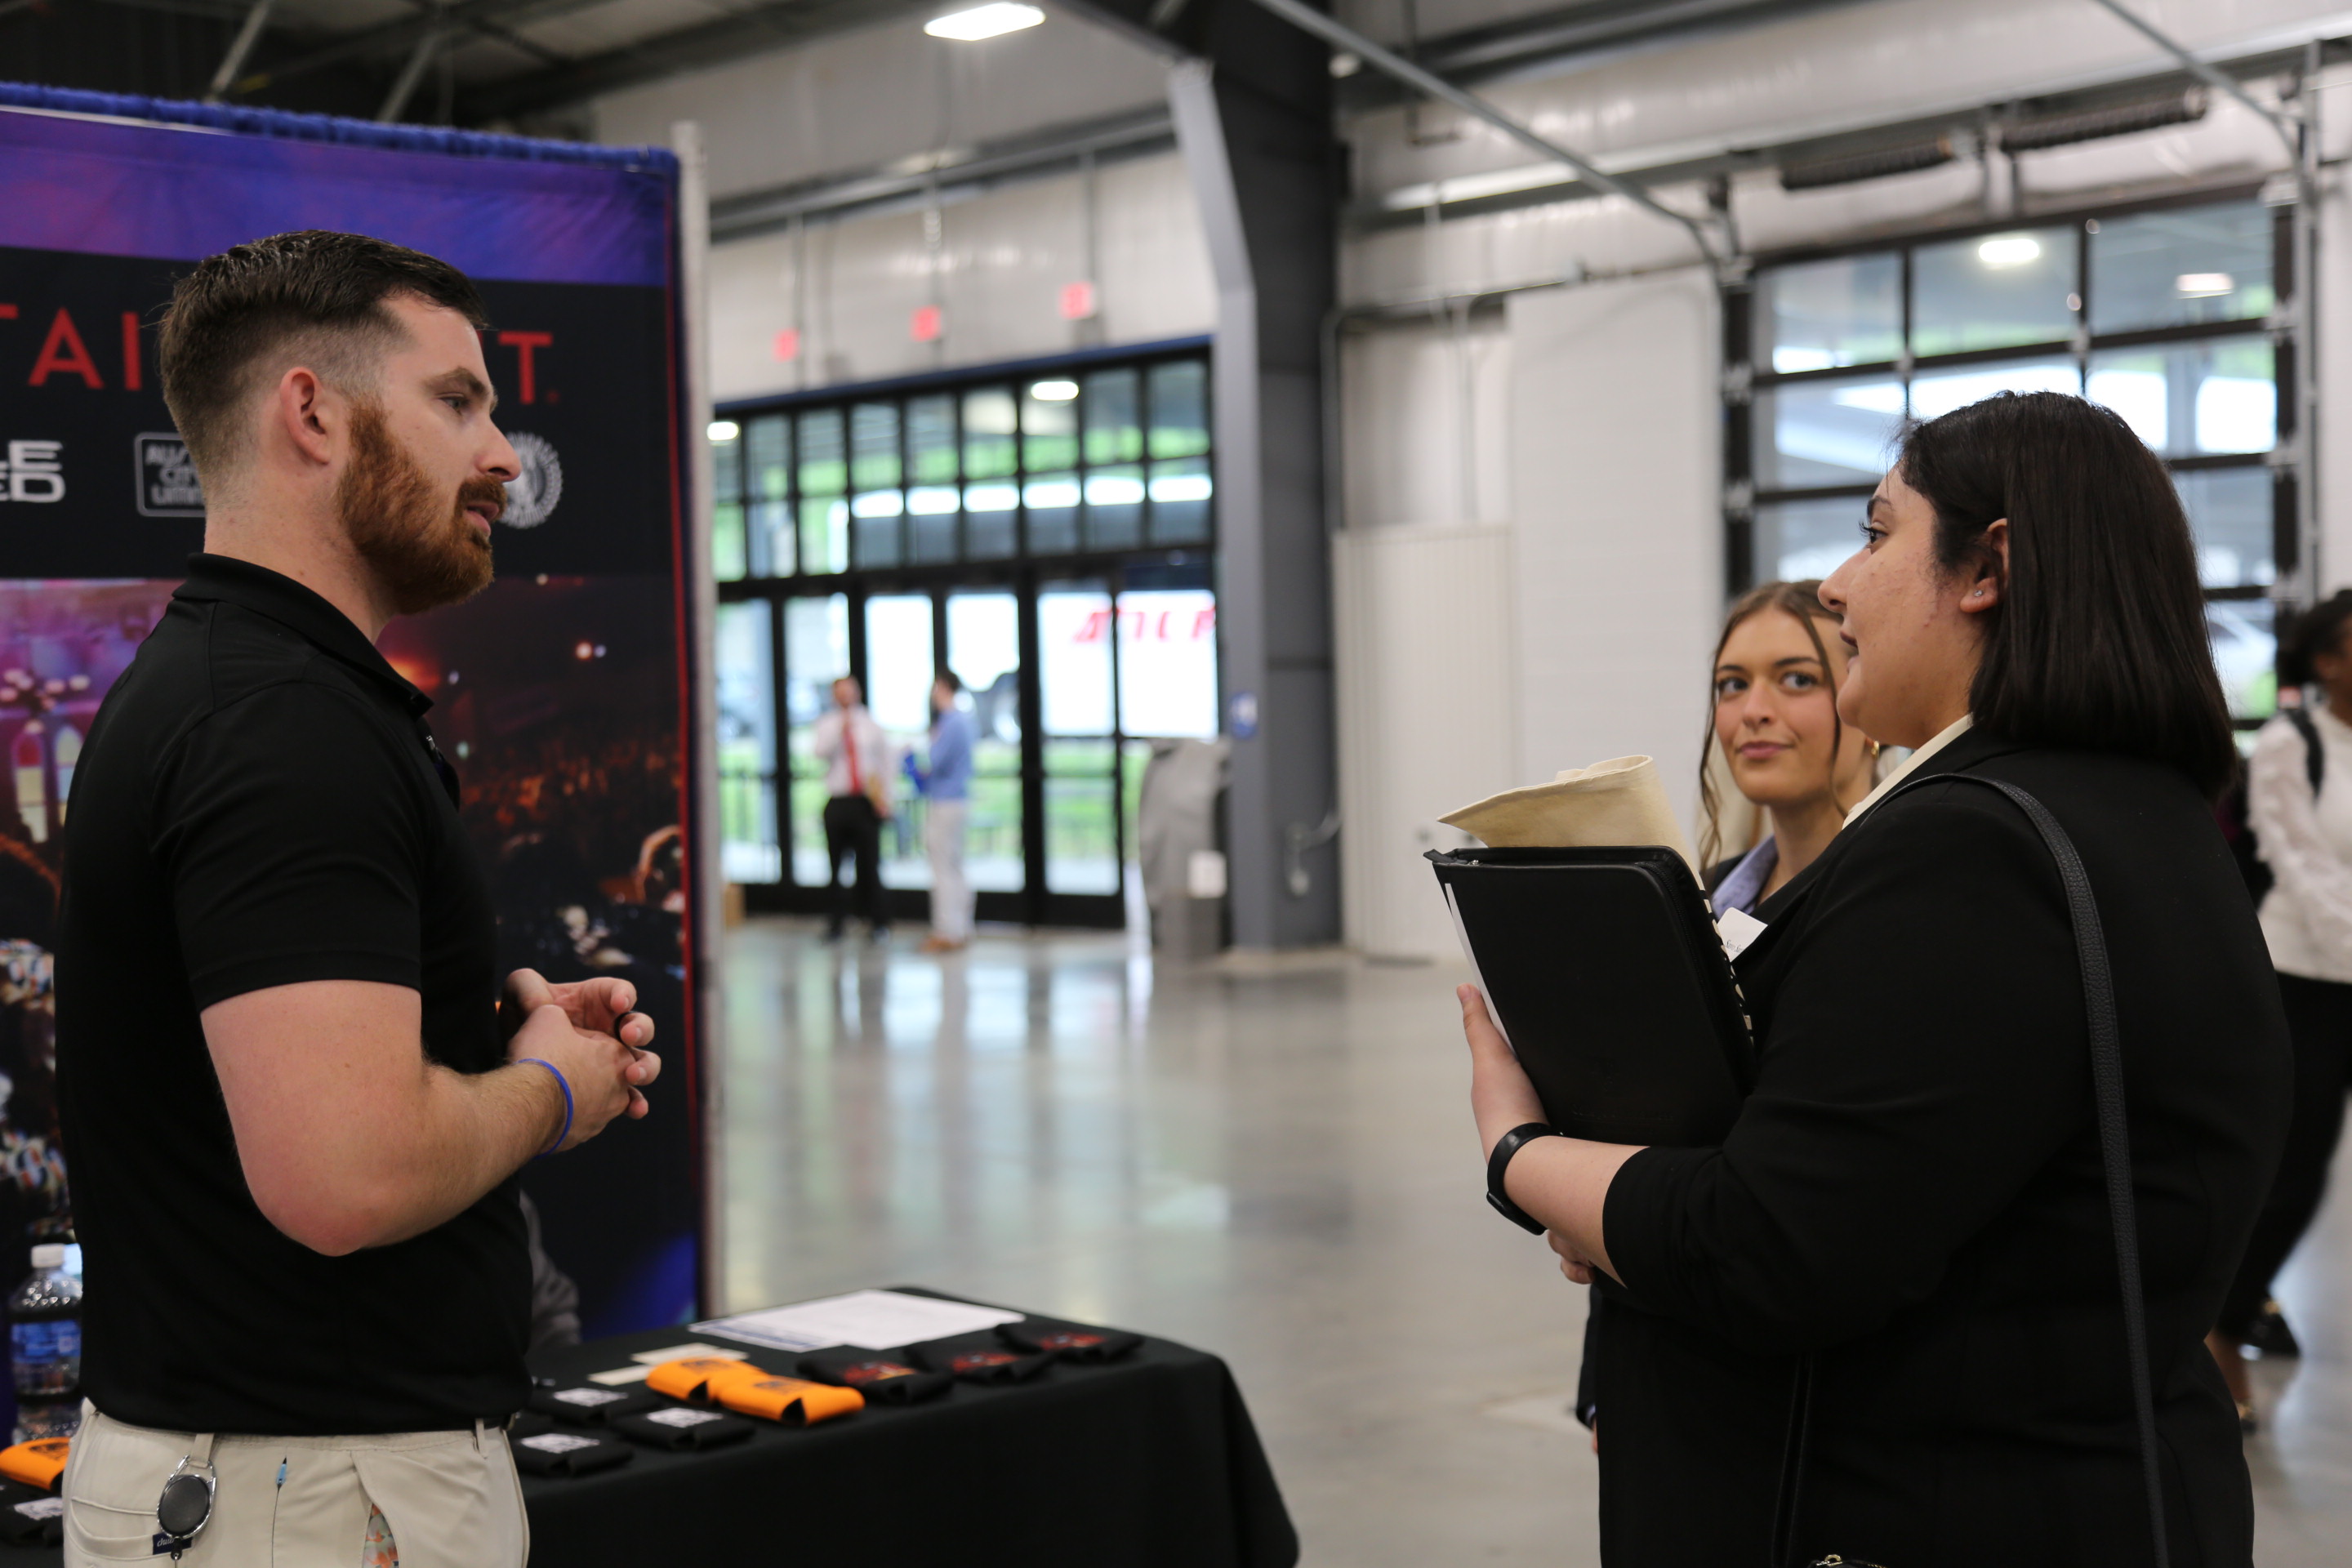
[(869, 1320)]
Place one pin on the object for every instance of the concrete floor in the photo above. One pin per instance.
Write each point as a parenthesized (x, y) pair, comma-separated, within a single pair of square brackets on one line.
[(1271, 1161)]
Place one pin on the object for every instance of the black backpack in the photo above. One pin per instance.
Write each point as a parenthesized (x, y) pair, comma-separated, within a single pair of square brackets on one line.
[(2238, 823)]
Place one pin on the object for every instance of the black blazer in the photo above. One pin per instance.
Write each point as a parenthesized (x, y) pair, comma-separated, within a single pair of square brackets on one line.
[(1912, 1196)]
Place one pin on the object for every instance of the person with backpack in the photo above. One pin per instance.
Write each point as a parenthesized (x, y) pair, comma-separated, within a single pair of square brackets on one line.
[(2300, 813)]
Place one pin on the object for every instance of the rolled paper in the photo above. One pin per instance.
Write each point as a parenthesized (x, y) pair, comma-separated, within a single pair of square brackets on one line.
[(1612, 804)]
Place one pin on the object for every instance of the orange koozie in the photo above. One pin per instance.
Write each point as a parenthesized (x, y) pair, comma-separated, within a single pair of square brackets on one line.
[(795, 1401), (697, 1379), (38, 1463)]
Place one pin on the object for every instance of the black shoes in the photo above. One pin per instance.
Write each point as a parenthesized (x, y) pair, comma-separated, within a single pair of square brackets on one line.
[(2268, 1334)]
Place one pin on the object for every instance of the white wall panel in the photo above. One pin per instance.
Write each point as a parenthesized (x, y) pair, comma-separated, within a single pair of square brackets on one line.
[(859, 100), (1004, 257), (1427, 438), (1617, 533), (1425, 716)]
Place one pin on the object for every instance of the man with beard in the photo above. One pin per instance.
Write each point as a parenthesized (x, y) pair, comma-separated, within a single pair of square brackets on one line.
[(294, 1103)]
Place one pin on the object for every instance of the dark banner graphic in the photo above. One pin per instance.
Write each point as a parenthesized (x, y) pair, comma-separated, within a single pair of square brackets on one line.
[(559, 693)]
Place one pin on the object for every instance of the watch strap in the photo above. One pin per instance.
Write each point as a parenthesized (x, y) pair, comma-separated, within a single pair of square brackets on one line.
[(1509, 1144)]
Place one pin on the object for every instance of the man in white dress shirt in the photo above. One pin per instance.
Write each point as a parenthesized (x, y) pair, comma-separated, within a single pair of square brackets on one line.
[(857, 789)]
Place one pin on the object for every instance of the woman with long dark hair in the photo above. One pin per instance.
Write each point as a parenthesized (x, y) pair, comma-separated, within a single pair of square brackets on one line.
[(1885, 1319)]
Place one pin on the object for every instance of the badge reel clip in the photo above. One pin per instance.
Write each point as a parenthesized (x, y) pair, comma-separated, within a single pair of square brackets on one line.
[(186, 1505)]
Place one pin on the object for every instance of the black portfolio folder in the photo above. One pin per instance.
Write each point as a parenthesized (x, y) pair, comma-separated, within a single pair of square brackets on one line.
[(1604, 971)]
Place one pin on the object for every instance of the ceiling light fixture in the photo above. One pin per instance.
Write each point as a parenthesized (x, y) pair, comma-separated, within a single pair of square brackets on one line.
[(2203, 284), (2009, 250), (979, 22), (724, 430), (1054, 390)]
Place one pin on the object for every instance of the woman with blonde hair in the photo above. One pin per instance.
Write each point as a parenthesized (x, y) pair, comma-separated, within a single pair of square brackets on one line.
[(1775, 723)]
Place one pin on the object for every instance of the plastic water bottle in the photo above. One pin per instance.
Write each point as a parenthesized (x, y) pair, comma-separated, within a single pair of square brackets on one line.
[(44, 1347)]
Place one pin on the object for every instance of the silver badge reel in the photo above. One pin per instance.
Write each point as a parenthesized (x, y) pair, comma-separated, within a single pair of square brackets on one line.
[(185, 1506)]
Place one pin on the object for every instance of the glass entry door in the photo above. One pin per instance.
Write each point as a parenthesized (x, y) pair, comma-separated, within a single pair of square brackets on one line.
[(1068, 679)]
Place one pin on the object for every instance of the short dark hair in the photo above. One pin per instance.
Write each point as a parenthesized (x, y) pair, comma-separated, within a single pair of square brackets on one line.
[(948, 678), (2318, 630), (2100, 638), (316, 291)]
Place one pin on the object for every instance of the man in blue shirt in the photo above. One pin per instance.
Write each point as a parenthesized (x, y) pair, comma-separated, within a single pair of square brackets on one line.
[(947, 789)]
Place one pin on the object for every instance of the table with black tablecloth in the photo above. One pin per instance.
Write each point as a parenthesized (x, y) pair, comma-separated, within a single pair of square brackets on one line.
[(1149, 1461)]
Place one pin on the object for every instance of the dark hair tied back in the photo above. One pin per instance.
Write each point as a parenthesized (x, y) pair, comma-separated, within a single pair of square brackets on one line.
[(2318, 630), (2100, 639)]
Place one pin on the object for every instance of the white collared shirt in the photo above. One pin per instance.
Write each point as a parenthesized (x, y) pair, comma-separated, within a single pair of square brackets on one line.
[(1950, 733)]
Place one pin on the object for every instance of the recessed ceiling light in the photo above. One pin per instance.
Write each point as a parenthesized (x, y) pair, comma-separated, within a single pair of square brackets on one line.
[(2203, 284), (2009, 250), (984, 21), (1054, 390), (724, 430)]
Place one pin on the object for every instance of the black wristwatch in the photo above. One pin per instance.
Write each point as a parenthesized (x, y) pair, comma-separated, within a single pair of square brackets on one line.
[(1509, 1144)]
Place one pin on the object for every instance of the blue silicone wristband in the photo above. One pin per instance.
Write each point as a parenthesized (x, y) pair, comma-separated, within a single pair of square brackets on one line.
[(566, 1088)]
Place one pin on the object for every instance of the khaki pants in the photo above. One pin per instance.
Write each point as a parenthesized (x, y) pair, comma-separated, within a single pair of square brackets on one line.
[(951, 890), (451, 1499)]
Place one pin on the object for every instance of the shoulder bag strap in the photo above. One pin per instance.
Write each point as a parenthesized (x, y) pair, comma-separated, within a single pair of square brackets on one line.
[(2114, 1158), (2314, 753)]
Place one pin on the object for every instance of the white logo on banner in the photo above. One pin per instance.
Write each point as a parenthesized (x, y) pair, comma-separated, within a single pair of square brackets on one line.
[(33, 472), (165, 476), (531, 495)]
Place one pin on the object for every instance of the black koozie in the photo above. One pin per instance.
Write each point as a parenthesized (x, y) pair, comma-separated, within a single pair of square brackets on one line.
[(885, 1377), (1082, 1342), (979, 1358), (568, 1454), (680, 1427)]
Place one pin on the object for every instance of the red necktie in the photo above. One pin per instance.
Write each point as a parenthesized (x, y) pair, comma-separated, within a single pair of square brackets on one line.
[(849, 745)]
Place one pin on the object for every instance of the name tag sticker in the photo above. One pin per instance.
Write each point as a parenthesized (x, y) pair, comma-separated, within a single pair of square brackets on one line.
[(557, 1442), (1739, 930), (42, 1507)]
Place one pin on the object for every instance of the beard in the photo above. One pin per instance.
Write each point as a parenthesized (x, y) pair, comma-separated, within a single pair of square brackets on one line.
[(421, 544)]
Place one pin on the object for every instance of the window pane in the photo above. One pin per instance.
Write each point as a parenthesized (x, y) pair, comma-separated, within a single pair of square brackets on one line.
[(874, 518), (1825, 432), (1179, 408), (727, 559), (1180, 501), (749, 848), (1115, 507), (2245, 651), (824, 480), (2180, 267), (823, 456), (726, 469), (1073, 651), (1052, 502), (1081, 816), (984, 650), (931, 440), (873, 447), (771, 539), (1167, 662), (1114, 434), (899, 671), (931, 466), (988, 428), (767, 457), (2184, 399), (988, 519), (816, 651), (1995, 291), (1940, 391), (825, 534), (2230, 512), (1049, 424), (1801, 539), (1825, 313)]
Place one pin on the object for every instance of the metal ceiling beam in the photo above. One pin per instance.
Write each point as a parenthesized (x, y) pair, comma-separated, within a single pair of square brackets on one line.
[(404, 35), (1342, 36), (777, 26), (1549, 43), (1036, 156), (239, 48), (2288, 129)]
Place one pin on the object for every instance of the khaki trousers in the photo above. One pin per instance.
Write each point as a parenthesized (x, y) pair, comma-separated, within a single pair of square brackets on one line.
[(451, 1499)]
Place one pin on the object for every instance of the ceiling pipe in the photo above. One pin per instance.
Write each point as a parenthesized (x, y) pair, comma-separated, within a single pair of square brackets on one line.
[(2289, 131), (1340, 36), (239, 50)]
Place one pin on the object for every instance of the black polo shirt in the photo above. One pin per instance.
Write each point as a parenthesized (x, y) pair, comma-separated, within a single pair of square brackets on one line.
[(257, 804)]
